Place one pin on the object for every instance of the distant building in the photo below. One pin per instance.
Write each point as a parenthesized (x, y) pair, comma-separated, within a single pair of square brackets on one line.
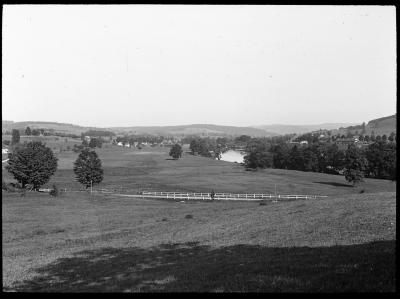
[(120, 143), (304, 142), (87, 138), (5, 151)]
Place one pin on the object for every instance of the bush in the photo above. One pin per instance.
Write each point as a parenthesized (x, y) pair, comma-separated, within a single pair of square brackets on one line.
[(4, 185), (189, 216), (54, 192)]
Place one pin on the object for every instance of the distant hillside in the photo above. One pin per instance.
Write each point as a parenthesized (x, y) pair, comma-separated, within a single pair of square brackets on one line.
[(380, 126), (59, 127), (300, 129), (195, 129), (184, 130)]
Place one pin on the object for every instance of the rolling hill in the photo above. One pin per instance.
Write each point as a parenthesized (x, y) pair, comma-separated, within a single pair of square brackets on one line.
[(379, 126), (280, 129), (183, 130), (195, 129)]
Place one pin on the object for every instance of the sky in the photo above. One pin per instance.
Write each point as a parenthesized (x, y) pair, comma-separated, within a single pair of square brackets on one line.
[(145, 65)]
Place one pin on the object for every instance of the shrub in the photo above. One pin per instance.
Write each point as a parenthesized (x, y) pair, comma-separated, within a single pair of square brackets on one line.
[(189, 216), (54, 192), (4, 185)]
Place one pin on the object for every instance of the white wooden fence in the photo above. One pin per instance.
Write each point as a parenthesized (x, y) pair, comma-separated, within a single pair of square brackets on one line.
[(224, 196)]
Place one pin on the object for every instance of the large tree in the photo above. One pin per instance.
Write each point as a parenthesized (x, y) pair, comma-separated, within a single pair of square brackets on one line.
[(355, 164), (32, 163), (87, 168), (176, 151), (280, 155), (381, 158), (15, 137), (28, 131), (258, 155)]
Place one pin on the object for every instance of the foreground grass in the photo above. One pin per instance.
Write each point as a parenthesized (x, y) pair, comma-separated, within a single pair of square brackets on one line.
[(103, 243)]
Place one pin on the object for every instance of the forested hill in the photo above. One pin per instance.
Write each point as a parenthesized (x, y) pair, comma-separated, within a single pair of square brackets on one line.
[(379, 126)]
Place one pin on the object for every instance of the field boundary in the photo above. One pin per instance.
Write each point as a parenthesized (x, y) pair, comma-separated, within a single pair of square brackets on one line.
[(221, 196)]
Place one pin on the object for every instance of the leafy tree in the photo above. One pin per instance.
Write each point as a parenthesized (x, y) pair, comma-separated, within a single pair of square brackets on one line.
[(258, 159), (176, 151), (242, 139), (378, 138), (296, 159), (87, 168), (384, 137), (391, 136), (355, 165), (95, 142), (258, 155), (35, 132), (28, 131), (381, 158), (366, 138), (218, 153), (32, 163), (280, 156), (15, 137), (334, 159), (310, 160), (194, 146), (361, 138)]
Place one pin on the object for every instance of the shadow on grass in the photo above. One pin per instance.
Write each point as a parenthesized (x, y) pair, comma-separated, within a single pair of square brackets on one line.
[(198, 268), (334, 184)]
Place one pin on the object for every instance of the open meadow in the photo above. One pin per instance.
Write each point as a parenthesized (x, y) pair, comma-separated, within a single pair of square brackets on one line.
[(104, 242)]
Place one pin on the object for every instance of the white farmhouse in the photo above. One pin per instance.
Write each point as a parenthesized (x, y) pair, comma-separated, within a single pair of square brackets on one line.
[(4, 151), (120, 143)]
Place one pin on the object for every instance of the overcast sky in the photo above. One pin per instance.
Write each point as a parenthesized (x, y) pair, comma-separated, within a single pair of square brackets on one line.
[(141, 65)]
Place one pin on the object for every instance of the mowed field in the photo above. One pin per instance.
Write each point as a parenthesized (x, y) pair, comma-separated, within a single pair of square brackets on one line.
[(82, 242)]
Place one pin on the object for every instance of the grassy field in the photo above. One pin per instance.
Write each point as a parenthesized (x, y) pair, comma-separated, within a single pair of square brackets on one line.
[(78, 242), (130, 170)]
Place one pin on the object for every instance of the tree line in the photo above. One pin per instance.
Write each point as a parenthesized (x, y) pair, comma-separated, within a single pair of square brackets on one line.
[(377, 160)]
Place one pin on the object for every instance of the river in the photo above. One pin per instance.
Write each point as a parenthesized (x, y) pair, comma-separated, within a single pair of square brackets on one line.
[(232, 156)]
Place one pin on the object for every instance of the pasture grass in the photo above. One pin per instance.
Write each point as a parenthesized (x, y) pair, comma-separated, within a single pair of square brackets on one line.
[(129, 170), (81, 242), (103, 242)]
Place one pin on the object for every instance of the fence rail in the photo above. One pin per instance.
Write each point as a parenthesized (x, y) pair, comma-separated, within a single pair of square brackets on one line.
[(225, 196)]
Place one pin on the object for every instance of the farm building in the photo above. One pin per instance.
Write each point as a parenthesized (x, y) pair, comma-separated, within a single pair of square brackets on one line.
[(5, 151)]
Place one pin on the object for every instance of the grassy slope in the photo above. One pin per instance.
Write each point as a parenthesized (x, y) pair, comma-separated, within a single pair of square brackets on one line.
[(117, 244), (110, 243), (151, 168)]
